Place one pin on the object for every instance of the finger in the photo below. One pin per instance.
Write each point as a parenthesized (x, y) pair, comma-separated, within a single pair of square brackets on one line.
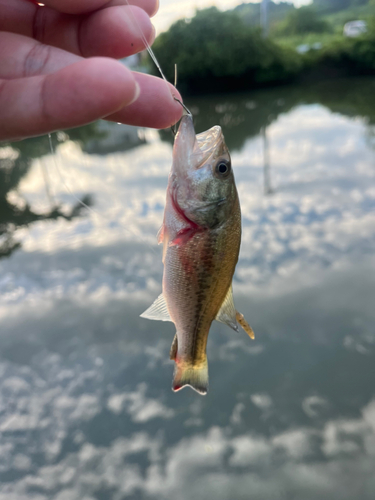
[(73, 96), (11, 10), (18, 16), (149, 6), (21, 57), (85, 6), (75, 6), (155, 107), (113, 32)]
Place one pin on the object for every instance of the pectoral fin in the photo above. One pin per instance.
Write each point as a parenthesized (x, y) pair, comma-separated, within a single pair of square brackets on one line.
[(158, 310), (231, 317), (245, 325), (163, 238), (160, 235)]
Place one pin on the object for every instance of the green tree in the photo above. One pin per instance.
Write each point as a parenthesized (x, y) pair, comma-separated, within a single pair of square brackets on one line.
[(337, 5), (250, 12), (304, 20), (217, 51)]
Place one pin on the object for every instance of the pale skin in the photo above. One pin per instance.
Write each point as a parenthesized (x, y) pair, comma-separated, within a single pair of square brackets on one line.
[(59, 68)]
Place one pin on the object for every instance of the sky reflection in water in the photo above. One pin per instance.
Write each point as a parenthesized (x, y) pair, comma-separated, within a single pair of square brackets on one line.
[(86, 406)]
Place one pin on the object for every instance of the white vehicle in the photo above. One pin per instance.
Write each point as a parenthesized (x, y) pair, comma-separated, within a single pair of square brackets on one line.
[(355, 28)]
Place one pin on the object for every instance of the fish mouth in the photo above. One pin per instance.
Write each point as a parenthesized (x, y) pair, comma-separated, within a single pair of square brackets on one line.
[(209, 139), (211, 143), (198, 147)]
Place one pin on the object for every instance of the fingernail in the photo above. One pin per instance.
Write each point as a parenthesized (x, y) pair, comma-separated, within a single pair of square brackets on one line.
[(137, 93)]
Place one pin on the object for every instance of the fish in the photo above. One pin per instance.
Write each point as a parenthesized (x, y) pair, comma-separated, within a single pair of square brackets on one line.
[(201, 236)]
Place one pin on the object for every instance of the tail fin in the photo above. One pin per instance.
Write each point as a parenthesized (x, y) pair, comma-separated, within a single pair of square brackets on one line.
[(195, 376)]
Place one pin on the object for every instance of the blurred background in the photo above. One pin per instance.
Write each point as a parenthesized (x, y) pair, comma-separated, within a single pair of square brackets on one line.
[(86, 409)]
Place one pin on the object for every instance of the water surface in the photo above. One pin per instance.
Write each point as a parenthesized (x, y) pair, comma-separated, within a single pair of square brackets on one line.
[(86, 409)]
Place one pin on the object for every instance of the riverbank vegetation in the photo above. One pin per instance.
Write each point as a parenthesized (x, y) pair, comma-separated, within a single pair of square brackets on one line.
[(225, 51)]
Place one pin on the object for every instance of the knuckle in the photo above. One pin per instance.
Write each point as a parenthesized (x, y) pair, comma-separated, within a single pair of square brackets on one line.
[(36, 60)]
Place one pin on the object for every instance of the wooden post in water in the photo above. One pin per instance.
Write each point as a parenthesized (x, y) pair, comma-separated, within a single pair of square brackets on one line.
[(266, 165)]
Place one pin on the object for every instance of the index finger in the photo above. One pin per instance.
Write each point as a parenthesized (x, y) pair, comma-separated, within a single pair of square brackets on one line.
[(85, 6), (74, 6)]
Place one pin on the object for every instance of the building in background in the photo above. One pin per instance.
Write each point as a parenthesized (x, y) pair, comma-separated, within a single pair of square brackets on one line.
[(355, 28)]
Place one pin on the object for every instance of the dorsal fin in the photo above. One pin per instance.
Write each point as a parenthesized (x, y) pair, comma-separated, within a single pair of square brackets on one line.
[(158, 310)]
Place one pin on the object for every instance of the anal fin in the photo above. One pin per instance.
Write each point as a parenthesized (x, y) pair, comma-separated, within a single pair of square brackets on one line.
[(158, 310)]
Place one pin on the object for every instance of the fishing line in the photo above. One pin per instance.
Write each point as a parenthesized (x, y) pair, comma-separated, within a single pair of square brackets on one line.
[(154, 58), (64, 183), (149, 49)]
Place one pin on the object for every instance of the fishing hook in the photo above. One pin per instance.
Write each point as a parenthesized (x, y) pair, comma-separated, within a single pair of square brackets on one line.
[(187, 111)]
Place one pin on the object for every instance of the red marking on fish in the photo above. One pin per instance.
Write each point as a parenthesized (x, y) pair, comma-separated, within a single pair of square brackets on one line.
[(183, 236), (179, 210)]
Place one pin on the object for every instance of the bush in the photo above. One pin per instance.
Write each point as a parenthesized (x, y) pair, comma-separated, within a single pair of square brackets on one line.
[(336, 5), (352, 56), (303, 20), (216, 51)]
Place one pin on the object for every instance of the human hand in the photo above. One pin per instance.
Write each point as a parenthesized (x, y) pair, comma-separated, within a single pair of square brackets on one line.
[(58, 67)]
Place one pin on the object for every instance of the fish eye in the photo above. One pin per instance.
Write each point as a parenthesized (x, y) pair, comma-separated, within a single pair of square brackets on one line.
[(223, 168)]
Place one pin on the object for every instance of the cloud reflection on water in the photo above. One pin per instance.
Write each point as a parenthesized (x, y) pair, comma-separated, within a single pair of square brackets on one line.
[(86, 409)]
